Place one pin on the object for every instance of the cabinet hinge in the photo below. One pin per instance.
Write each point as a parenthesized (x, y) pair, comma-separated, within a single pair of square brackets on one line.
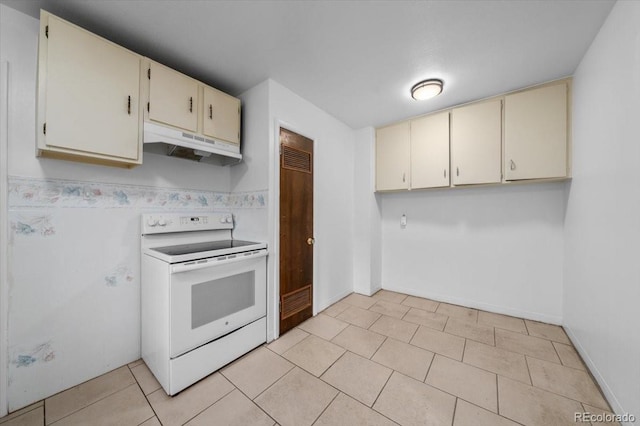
[(44, 128), (148, 106), (149, 73), (46, 31)]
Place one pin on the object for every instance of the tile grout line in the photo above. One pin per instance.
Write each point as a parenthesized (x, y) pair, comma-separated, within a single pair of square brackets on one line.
[(145, 395), (325, 408), (382, 388), (497, 396), (455, 407), (497, 414), (526, 361), (293, 367), (414, 333), (464, 349), (7, 419), (489, 371), (557, 353), (564, 396), (247, 396), (378, 349), (94, 402), (208, 406), (429, 368)]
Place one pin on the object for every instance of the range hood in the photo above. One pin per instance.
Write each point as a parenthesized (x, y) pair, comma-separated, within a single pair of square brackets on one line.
[(164, 140)]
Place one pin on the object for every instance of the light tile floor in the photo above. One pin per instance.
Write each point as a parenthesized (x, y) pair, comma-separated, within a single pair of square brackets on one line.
[(382, 360)]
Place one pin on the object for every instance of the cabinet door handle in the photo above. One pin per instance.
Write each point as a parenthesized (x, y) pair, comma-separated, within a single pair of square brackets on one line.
[(210, 112), (445, 173), (129, 105), (512, 165), (457, 171), (191, 104), (403, 177)]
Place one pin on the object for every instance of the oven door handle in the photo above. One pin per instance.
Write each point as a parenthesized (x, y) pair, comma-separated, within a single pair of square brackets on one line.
[(216, 261)]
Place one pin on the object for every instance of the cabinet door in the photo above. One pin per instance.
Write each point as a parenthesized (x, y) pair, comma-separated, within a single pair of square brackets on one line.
[(430, 151), (221, 115), (476, 135), (392, 157), (535, 133), (173, 98), (92, 93)]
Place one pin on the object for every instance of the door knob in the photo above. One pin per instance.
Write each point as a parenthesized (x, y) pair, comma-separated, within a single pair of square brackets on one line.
[(311, 241)]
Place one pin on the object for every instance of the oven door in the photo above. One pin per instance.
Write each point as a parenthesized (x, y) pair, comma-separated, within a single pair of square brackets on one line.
[(213, 297)]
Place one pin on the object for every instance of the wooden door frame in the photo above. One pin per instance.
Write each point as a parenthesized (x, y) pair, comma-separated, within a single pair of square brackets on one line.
[(273, 329)]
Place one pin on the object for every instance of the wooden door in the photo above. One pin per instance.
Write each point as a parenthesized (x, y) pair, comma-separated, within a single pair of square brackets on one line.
[(221, 116), (392, 157), (430, 151), (476, 148), (92, 93), (535, 133), (296, 229), (173, 98)]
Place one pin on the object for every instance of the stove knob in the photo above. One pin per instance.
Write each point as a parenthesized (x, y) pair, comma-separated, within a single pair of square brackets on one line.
[(228, 219), (162, 222), (152, 221)]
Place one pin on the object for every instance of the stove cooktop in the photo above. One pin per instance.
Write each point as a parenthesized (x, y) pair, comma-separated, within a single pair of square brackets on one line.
[(178, 253), (202, 247)]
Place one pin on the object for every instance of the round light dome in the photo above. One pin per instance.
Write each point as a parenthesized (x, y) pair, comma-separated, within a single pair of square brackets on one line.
[(426, 89)]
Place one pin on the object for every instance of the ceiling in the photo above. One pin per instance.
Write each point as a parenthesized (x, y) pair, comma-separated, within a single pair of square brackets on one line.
[(356, 60)]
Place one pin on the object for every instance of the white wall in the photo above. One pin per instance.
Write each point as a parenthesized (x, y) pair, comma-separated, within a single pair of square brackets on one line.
[(602, 229), (333, 189), (74, 241), (367, 250), (252, 175), (494, 248)]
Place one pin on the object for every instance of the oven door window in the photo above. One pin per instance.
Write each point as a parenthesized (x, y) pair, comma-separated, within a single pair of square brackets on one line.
[(217, 299), (208, 303)]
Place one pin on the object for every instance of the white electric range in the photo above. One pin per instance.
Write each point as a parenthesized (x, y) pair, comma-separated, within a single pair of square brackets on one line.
[(203, 296)]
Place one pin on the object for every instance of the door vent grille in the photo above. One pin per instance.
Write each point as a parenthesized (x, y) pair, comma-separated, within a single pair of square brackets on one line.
[(296, 301), (296, 159)]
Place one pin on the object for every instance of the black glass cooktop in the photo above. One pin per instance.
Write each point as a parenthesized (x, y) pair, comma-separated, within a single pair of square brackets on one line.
[(201, 247)]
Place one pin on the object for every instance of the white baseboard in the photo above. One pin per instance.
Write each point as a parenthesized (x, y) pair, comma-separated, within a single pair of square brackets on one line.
[(608, 393), (369, 292), (334, 299), (536, 316)]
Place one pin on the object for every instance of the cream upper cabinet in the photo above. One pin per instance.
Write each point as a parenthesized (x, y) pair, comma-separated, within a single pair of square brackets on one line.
[(88, 96), (430, 151), (173, 98), (221, 115), (535, 133), (476, 136), (392, 157)]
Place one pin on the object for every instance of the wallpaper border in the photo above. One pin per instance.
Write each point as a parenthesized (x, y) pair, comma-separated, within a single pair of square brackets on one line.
[(27, 192)]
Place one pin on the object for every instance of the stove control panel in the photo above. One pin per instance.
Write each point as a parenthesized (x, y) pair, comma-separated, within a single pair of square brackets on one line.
[(175, 222), (194, 220)]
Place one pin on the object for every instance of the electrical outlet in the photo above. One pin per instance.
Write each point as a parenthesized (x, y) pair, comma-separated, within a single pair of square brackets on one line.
[(403, 221)]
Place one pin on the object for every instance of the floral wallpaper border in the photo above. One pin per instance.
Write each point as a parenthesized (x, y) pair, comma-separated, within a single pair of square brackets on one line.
[(36, 193)]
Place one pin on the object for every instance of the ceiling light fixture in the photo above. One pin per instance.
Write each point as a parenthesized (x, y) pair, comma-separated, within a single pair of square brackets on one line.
[(426, 89)]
